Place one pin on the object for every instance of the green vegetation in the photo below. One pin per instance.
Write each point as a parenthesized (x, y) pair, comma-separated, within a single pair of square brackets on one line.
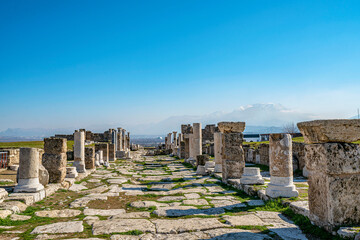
[(32, 144)]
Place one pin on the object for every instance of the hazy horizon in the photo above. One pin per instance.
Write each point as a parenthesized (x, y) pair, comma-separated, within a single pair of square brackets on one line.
[(85, 63)]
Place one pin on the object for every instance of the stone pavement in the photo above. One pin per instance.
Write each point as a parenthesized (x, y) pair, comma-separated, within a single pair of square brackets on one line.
[(149, 198)]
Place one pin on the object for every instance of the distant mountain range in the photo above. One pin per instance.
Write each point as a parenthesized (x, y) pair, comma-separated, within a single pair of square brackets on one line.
[(259, 118)]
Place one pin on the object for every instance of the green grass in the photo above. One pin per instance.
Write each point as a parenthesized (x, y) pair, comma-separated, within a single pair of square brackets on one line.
[(306, 226), (32, 144)]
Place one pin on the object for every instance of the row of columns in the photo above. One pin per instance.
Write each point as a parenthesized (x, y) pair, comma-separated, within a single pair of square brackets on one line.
[(332, 160)]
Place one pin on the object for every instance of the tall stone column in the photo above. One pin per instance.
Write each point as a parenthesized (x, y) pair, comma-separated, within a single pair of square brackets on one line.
[(114, 139), (54, 159), (187, 146), (192, 156), (123, 140), (128, 141), (197, 140), (90, 157), (112, 152), (232, 152), (281, 170), (217, 150), (119, 139), (333, 164), (29, 172), (168, 143), (79, 151)]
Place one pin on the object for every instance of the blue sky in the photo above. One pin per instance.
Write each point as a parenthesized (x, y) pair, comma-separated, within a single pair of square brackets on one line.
[(71, 63)]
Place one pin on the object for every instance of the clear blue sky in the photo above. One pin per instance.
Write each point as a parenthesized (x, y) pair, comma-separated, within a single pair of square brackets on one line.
[(68, 62)]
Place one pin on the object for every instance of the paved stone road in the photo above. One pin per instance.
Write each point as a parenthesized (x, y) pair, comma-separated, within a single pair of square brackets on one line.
[(152, 198)]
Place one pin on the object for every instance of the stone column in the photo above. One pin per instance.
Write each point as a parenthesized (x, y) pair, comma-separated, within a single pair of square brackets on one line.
[(333, 164), (114, 139), (54, 159), (79, 151), (119, 137), (90, 157), (182, 150), (104, 148), (187, 146), (232, 152), (97, 159), (29, 172), (197, 140), (192, 156), (281, 170), (168, 143), (128, 141), (112, 152), (123, 140), (217, 150), (251, 176)]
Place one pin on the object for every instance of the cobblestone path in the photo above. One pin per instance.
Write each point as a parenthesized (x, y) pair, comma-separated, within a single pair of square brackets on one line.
[(150, 198)]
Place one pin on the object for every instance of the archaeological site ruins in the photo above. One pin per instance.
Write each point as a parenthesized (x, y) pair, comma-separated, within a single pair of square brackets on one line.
[(200, 183)]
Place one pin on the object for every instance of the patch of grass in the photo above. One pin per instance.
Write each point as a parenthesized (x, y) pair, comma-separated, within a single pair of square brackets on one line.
[(132, 232), (274, 205), (305, 225), (260, 228), (32, 144)]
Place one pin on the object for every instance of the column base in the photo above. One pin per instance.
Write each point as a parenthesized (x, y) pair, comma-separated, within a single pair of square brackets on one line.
[(252, 180), (201, 170), (281, 187), (30, 185), (218, 168), (80, 167)]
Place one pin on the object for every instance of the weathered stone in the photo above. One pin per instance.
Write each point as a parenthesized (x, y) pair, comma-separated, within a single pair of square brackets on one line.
[(251, 176), (281, 172), (14, 206), (79, 151), (65, 213), (61, 227), (186, 225), (231, 127), (5, 213), (178, 211), (15, 217), (122, 225), (55, 164), (29, 171), (43, 175), (112, 152), (3, 194), (71, 172), (77, 187), (195, 202), (233, 156), (147, 204), (234, 234), (334, 181), (90, 157), (324, 131), (192, 196), (55, 145), (196, 140), (131, 215), (104, 212), (255, 203), (244, 220), (171, 198)]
